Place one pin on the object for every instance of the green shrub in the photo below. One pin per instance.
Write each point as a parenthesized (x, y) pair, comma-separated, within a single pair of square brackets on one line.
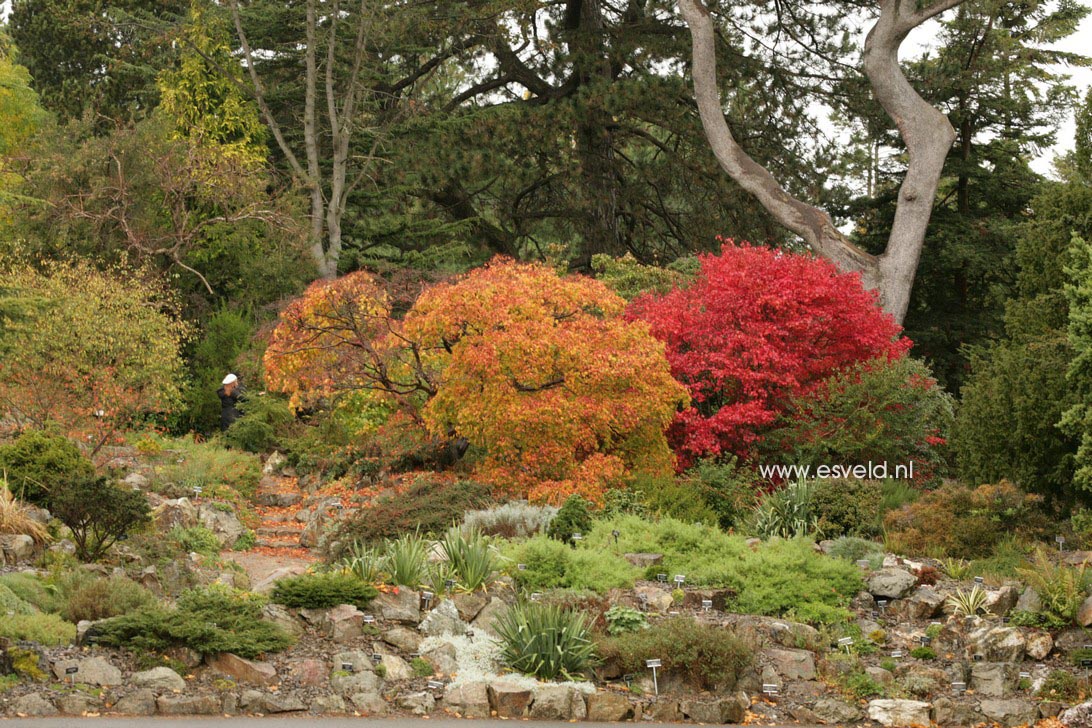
[(210, 620), (862, 687), (37, 462), (195, 539), (1061, 686), (48, 630), (923, 653), (552, 565), (712, 657), (1042, 620), (12, 604), (98, 513), (545, 641), (621, 620), (895, 494), (728, 489), (32, 590), (218, 471), (857, 549), (245, 542), (515, 519), (786, 513), (264, 419), (573, 517), (225, 336), (421, 667), (1061, 588), (847, 507), (683, 500), (470, 556), (102, 598), (429, 505), (322, 590)]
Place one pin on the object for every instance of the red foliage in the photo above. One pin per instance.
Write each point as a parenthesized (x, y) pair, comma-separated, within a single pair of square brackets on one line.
[(757, 327)]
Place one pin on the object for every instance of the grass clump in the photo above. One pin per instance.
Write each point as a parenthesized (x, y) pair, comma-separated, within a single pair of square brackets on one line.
[(215, 469), (32, 590), (851, 549), (421, 667), (322, 590), (48, 630), (210, 620), (545, 641), (711, 657), (515, 519), (102, 598), (15, 516), (195, 539), (11, 604), (551, 564)]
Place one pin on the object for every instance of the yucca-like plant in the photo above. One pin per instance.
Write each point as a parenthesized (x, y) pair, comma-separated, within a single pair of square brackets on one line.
[(956, 568), (786, 513), (438, 576), (545, 641), (967, 603), (470, 556), (364, 561), (406, 560)]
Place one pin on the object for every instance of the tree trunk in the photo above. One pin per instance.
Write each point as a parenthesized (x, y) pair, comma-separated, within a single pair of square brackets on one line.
[(925, 131)]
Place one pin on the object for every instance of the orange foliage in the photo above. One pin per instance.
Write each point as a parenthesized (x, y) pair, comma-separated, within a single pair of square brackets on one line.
[(541, 372)]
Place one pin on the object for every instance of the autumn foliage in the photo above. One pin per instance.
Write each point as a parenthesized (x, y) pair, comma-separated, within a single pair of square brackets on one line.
[(541, 374), (757, 328)]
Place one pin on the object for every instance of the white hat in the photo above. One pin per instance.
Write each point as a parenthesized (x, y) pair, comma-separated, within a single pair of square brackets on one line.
[(229, 379)]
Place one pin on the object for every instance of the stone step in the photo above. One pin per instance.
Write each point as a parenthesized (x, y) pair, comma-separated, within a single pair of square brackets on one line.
[(280, 531), (273, 542), (278, 499)]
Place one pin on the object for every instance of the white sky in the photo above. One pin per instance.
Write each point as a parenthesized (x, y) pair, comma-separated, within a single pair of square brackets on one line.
[(1079, 42)]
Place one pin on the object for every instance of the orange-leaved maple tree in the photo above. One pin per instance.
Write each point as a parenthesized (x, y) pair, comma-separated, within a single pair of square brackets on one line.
[(757, 328), (543, 373)]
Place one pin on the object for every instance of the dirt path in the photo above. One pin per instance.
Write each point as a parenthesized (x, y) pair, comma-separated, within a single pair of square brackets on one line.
[(277, 503)]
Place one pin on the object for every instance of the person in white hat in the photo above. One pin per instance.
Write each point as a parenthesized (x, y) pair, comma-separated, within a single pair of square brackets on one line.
[(230, 392)]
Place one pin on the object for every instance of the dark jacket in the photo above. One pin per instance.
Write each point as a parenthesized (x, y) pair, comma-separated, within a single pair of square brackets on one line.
[(229, 406)]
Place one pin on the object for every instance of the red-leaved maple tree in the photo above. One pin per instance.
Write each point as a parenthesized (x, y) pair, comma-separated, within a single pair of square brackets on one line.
[(757, 327)]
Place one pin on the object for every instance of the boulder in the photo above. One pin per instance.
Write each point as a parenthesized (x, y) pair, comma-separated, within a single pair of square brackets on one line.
[(1029, 601), (994, 679), (1009, 713), (308, 672), (608, 707), (256, 701), (1002, 601), (557, 702), (402, 638), (343, 623), (188, 704), (880, 675), (77, 704), (469, 605), (662, 711), (443, 659), (184, 656), (1084, 614), (791, 664), (720, 710), (355, 683), (891, 583), (509, 700), (16, 548), (32, 704), (135, 481), (898, 712), (355, 660), (180, 512), (996, 644), (657, 599), (832, 710), (158, 678), (91, 671), (442, 621), (403, 606), (420, 703), (924, 603), (264, 586), (283, 618), (947, 711), (489, 614), (760, 630), (1039, 645), (469, 700), (1079, 716), (396, 668), (644, 561), (224, 524), (328, 704), (243, 670), (368, 703), (138, 702)]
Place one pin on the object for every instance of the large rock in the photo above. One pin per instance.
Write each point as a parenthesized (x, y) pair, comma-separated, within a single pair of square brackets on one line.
[(557, 702), (469, 605), (1029, 601), (16, 548), (1084, 614), (488, 616), (404, 606), (404, 639), (264, 586), (325, 704), (353, 661), (924, 603), (893, 583), (138, 702), (657, 599), (419, 703), (947, 711), (758, 630), (791, 664), (368, 703), (178, 512), (1009, 713), (994, 679), (1039, 645), (996, 644), (188, 704), (282, 617), (32, 704), (396, 668), (308, 672), (77, 704), (443, 621), (898, 712), (158, 678), (343, 623), (469, 700), (354, 683), (224, 524), (243, 670), (718, 711), (509, 700), (832, 710), (443, 658), (1002, 601), (608, 707), (256, 701), (92, 671), (1079, 716)]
